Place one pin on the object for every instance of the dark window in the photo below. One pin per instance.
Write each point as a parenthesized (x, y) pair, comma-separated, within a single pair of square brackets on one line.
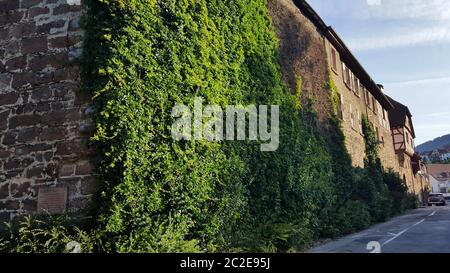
[(356, 85), (334, 60), (375, 109)]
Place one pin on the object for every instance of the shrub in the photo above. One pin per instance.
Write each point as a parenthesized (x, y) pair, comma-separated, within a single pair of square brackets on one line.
[(45, 234), (354, 216)]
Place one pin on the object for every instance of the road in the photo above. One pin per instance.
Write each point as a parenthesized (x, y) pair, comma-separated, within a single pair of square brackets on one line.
[(425, 230)]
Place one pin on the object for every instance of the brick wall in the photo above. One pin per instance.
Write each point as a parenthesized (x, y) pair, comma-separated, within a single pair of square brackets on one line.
[(43, 111)]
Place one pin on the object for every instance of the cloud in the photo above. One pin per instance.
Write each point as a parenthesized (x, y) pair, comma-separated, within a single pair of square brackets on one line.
[(373, 2), (410, 37), (413, 9), (431, 10), (419, 82), (381, 24), (438, 115)]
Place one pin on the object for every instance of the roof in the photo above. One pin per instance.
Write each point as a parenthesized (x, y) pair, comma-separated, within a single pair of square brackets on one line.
[(346, 55), (397, 115), (436, 170), (440, 179)]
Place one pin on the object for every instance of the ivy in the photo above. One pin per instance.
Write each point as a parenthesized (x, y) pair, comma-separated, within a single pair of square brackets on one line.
[(141, 58), (161, 195)]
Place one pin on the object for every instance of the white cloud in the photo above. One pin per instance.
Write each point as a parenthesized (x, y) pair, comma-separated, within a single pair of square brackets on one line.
[(384, 9), (438, 115), (420, 82), (414, 9), (373, 2), (402, 38), (384, 24)]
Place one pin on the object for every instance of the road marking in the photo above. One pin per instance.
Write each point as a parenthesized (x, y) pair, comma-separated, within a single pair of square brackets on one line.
[(434, 212), (403, 231)]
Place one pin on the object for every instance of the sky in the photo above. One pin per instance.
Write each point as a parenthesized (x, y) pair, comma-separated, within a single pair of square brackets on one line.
[(404, 45)]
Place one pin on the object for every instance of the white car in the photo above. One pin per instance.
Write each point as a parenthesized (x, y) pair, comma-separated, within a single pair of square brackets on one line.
[(436, 199)]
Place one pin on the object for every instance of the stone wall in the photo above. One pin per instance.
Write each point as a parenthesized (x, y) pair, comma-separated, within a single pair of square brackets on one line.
[(305, 53), (350, 104), (354, 105), (43, 123), (302, 55)]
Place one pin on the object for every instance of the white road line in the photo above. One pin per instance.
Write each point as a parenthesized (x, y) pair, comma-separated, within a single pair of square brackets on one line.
[(434, 212), (418, 223), (403, 231)]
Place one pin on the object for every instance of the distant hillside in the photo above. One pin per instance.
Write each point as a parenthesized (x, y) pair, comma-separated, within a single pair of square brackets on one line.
[(437, 143)]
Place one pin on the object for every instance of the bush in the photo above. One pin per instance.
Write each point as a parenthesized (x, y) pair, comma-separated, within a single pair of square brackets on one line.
[(401, 199), (46, 234), (354, 216)]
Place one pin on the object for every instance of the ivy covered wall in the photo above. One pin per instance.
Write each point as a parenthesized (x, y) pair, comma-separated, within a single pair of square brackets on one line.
[(141, 57)]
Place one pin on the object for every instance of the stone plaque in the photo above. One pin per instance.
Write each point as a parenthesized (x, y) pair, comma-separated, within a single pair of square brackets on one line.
[(52, 200)]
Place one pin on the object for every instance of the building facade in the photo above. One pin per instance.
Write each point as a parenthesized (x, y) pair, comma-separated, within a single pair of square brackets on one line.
[(439, 175), (307, 42), (410, 165)]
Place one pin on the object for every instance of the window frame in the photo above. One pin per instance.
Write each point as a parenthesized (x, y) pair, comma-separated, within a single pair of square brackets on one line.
[(356, 85), (334, 60), (347, 76), (375, 106)]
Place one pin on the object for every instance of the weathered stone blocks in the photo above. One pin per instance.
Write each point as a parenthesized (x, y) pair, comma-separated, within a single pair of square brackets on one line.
[(42, 106)]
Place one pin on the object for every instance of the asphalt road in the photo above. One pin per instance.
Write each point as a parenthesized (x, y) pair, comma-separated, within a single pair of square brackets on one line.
[(425, 230)]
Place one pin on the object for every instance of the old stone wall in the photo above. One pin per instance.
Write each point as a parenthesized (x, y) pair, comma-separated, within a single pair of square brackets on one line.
[(305, 53), (43, 124), (302, 55), (351, 106)]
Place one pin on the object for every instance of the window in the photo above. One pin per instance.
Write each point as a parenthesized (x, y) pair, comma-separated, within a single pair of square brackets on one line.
[(341, 111), (346, 75), (352, 118), (356, 85), (378, 133), (344, 70), (361, 90), (380, 112), (360, 123), (334, 60), (385, 119), (374, 104), (367, 95), (369, 100)]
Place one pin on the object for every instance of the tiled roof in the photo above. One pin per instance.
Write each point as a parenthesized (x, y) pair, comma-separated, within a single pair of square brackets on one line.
[(436, 170)]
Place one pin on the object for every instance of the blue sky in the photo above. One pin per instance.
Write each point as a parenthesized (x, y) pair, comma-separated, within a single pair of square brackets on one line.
[(404, 45)]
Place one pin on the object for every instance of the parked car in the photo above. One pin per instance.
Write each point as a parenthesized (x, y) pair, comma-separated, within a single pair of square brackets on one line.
[(436, 199), (447, 198)]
